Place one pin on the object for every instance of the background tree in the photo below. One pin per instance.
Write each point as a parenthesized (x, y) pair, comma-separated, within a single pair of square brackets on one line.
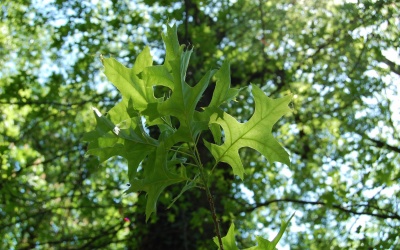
[(340, 60)]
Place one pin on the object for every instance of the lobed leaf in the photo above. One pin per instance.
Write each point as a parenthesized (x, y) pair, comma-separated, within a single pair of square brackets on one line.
[(157, 178), (132, 87), (255, 133), (229, 241), (264, 244), (132, 143), (184, 98)]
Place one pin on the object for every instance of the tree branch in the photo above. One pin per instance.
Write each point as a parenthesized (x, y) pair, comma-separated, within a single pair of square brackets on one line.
[(381, 144), (395, 68), (320, 203)]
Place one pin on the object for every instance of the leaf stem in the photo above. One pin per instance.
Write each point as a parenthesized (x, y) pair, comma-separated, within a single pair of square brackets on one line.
[(184, 153)]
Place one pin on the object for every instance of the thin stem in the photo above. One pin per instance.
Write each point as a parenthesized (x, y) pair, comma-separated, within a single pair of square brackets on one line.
[(190, 164), (215, 165), (184, 153), (209, 197)]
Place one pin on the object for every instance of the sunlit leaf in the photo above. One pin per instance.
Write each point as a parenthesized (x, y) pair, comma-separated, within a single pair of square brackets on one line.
[(255, 133)]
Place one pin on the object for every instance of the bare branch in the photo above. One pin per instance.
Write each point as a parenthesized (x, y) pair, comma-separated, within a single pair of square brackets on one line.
[(395, 68), (325, 204)]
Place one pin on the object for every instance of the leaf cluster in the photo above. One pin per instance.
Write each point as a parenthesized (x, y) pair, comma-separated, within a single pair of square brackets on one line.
[(163, 159)]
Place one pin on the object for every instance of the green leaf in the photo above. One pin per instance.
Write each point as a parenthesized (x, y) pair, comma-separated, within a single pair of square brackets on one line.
[(189, 185), (131, 86), (184, 98), (108, 140), (157, 176), (216, 132), (264, 244), (228, 241), (182, 105), (255, 133), (223, 92), (172, 48)]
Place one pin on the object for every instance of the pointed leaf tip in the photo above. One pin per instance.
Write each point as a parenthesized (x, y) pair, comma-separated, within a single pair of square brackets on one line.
[(96, 111)]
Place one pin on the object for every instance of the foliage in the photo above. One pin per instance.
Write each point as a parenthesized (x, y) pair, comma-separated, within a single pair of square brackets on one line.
[(262, 244), (121, 132), (339, 59)]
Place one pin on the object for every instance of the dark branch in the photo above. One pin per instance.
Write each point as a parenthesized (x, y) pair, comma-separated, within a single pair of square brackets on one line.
[(395, 68), (381, 144), (320, 203)]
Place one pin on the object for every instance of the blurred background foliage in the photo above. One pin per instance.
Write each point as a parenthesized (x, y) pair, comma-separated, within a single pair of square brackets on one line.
[(339, 59)]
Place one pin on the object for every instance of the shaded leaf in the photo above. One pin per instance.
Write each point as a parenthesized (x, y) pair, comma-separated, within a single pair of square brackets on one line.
[(133, 143), (157, 176)]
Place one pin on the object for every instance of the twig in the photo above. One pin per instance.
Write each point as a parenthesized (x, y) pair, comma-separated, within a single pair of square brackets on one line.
[(209, 197)]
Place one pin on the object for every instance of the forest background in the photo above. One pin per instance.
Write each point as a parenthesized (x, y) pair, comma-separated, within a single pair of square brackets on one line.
[(339, 59)]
